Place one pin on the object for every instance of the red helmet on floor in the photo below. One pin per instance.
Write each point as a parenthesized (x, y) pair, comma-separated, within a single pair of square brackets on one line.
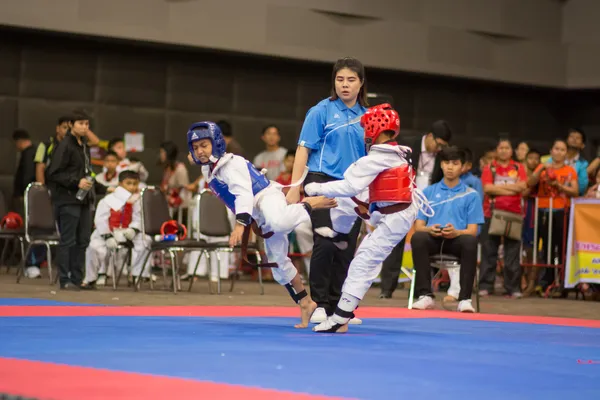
[(173, 227), (12, 220), (379, 119)]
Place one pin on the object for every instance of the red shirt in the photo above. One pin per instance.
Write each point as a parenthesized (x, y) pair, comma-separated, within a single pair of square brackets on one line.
[(509, 174)]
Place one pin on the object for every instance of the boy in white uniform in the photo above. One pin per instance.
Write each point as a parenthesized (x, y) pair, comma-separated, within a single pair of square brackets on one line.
[(255, 200), (118, 219), (393, 205)]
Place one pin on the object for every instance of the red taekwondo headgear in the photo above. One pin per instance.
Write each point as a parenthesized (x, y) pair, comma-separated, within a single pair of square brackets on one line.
[(379, 119)]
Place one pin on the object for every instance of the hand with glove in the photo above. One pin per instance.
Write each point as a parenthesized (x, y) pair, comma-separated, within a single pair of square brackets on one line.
[(312, 189), (111, 243), (130, 233)]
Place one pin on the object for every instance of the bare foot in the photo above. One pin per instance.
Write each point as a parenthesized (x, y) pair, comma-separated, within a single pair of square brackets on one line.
[(307, 308), (320, 202)]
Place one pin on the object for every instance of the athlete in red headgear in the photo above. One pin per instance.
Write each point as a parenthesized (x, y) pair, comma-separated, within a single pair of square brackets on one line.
[(393, 203)]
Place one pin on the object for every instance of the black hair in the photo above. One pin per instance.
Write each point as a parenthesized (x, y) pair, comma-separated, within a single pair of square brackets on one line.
[(63, 119), (356, 66), (441, 130), (114, 141), (128, 174), (111, 153), (79, 115), (452, 153), (534, 151), (225, 128), (270, 126), (559, 140), (502, 140), (581, 132), (290, 153), (20, 134), (171, 150), (468, 155)]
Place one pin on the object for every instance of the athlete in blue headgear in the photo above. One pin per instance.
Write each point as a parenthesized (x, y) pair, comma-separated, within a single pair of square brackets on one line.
[(257, 202)]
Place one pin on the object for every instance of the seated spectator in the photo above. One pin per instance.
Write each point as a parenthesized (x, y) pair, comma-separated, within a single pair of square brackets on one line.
[(467, 177), (117, 145), (557, 181), (594, 191), (114, 227), (453, 230), (272, 158), (108, 180), (504, 181)]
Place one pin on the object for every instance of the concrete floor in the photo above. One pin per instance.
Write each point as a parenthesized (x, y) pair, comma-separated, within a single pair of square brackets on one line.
[(247, 293)]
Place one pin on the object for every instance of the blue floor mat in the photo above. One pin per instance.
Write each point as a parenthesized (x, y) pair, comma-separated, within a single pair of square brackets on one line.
[(385, 358)]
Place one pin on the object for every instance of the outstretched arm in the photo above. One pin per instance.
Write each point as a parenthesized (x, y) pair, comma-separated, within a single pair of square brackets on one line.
[(357, 177)]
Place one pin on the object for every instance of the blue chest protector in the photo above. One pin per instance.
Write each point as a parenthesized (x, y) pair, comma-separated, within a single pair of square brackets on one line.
[(259, 182)]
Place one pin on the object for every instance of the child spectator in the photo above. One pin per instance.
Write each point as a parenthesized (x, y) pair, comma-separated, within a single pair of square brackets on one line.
[(272, 158), (117, 222), (117, 145), (532, 161), (467, 177), (108, 180), (594, 191)]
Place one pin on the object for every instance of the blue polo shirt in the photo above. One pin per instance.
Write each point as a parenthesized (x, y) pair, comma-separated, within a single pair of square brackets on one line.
[(473, 182), (333, 133), (459, 206)]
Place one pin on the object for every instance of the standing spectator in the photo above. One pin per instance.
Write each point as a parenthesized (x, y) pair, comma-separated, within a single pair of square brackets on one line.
[(531, 163), (272, 158), (425, 160), (504, 181), (559, 182), (175, 178), (575, 144), (117, 145), (521, 152), (108, 180), (285, 178), (25, 173), (594, 191), (330, 141), (467, 177), (232, 145), (452, 229), (44, 151), (66, 175), (485, 160)]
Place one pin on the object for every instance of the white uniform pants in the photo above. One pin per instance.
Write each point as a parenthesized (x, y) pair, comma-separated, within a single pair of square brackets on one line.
[(276, 216), (304, 237), (376, 246), (98, 258)]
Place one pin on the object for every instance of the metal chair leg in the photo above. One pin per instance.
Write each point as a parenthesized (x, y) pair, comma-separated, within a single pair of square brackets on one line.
[(218, 272), (49, 261), (411, 293), (208, 272), (164, 270), (235, 274), (260, 281), (137, 282), (477, 289), (21, 270), (4, 251), (193, 277), (173, 271)]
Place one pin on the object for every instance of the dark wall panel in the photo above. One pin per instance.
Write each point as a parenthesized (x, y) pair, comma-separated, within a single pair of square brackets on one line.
[(160, 91)]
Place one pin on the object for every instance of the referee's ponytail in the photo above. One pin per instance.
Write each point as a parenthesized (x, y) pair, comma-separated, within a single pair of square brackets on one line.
[(354, 65)]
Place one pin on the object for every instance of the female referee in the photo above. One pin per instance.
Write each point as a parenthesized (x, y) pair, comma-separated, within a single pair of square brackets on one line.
[(330, 141)]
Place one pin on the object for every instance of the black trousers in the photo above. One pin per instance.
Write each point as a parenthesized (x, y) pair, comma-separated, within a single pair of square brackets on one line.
[(489, 260), (390, 270), (328, 264), (557, 251), (464, 247), (75, 227)]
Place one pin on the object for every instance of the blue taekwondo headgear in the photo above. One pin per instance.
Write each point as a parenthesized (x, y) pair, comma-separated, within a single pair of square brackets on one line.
[(206, 130)]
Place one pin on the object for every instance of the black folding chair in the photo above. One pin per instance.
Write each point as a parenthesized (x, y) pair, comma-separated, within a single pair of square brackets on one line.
[(40, 225), (155, 212), (214, 222)]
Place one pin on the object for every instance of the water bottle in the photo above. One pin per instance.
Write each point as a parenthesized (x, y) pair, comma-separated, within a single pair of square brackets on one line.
[(81, 193)]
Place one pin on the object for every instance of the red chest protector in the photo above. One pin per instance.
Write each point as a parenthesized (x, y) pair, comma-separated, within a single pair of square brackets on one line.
[(394, 185), (122, 218)]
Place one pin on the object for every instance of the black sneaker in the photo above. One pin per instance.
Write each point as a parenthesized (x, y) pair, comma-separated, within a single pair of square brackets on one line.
[(385, 295), (70, 286)]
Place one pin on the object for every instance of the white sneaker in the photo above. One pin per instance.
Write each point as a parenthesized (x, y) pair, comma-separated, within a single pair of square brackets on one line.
[(516, 295), (318, 316), (355, 321), (465, 306), (424, 303), (101, 281)]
